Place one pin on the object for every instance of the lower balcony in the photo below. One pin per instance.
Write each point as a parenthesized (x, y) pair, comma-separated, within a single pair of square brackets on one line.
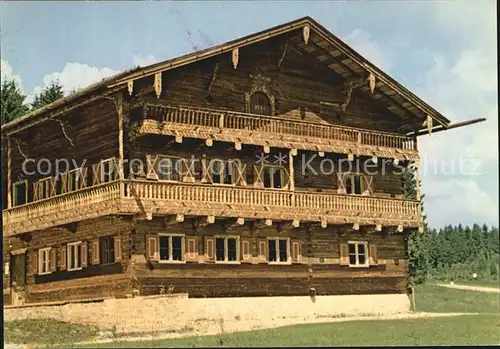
[(146, 198)]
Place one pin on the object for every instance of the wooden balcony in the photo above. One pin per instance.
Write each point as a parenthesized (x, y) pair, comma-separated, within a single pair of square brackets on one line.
[(147, 199), (272, 131)]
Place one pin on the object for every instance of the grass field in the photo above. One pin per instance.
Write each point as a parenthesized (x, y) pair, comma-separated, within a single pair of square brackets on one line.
[(481, 283), (454, 330)]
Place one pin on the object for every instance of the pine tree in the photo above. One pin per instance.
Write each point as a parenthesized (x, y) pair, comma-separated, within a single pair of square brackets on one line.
[(49, 94), (12, 101)]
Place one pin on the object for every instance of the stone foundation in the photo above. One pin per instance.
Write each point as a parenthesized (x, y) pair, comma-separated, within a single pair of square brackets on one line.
[(179, 313)]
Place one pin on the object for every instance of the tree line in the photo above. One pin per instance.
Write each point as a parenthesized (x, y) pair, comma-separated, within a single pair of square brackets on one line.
[(453, 252), (14, 103)]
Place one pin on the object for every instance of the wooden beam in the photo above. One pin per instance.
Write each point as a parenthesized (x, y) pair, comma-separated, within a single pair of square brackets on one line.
[(237, 146), (233, 223), (268, 222), (452, 126), (178, 139), (179, 218), (209, 142)]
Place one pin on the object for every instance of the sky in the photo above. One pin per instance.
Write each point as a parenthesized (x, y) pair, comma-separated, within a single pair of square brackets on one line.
[(443, 51)]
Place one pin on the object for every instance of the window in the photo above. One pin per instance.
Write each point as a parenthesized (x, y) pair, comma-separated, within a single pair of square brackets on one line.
[(353, 184), (108, 170), (260, 104), (358, 254), (20, 191), (171, 248), (75, 256), (222, 171), (168, 168), (278, 250), (107, 249), (44, 261), (227, 249), (273, 177), (74, 179)]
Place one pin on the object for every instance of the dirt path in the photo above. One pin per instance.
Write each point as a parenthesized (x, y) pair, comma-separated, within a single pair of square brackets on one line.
[(472, 288), (213, 328)]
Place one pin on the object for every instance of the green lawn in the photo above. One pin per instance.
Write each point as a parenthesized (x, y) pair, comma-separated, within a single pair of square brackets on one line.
[(481, 283), (455, 330), (438, 299)]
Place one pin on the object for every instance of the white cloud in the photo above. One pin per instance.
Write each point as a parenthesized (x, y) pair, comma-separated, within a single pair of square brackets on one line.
[(361, 41), (143, 61), (7, 73)]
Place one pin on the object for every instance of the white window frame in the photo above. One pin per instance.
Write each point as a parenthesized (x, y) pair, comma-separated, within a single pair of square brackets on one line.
[(170, 248), (226, 261), (288, 252), (14, 192), (350, 176), (78, 261), (284, 186), (356, 253), (44, 252), (101, 167), (179, 174)]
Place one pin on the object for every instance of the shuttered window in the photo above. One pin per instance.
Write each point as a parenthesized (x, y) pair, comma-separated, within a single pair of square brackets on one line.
[(278, 250), (44, 261), (74, 256), (107, 250), (358, 254), (227, 249), (171, 248)]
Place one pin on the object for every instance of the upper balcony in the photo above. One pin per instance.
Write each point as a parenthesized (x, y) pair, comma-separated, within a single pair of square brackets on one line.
[(271, 131), (149, 198)]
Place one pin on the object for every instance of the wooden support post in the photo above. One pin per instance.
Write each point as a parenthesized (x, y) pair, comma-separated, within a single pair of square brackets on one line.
[(158, 84), (417, 180), (119, 111), (9, 179), (291, 169), (130, 86)]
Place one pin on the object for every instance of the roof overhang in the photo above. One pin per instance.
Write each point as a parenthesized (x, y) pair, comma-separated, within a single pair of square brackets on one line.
[(348, 63)]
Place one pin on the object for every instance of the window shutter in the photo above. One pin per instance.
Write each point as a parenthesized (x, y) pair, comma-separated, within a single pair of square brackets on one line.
[(118, 248), (64, 182), (152, 248), (96, 176), (62, 257), (210, 248), (95, 252), (341, 183), (344, 254), (151, 163), (84, 254), (296, 250), (191, 248), (36, 193), (373, 255), (258, 181), (246, 250), (262, 249), (34, 263), (53, 259)]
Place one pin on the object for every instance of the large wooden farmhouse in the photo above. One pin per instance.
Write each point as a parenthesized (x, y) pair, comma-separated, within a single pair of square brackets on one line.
[(271, 165)]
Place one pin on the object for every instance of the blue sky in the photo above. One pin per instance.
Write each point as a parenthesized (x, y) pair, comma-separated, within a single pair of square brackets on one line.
[(445, 52)]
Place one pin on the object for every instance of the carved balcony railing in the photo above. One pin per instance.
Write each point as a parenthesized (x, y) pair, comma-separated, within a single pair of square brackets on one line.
[(86, 203), (274, 131), (161, 198), (249, 202)]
